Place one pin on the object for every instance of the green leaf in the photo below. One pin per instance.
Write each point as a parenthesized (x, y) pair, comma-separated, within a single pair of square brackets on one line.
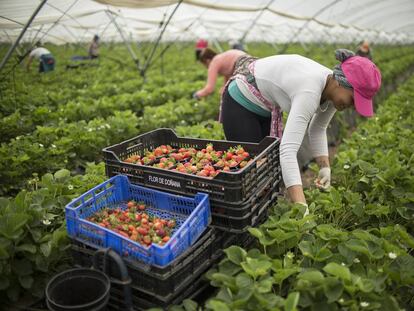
[(190, 305), (36, 234), (47, 179), (265, 285), (358, 246), (46, 249), (316, 252), (20, 202), (30, 248), (235, 254), (337, 270), (313, 276), (282, 274), (244, 280), (26, 281), (328, 232), (224, 279), (242, 297), (333, 289), (217, 305), (4, 203), (365, 285), (255, 232), (255, 267), (228, 267), (11, 225), (292, 301), (281, 235), (225, 295), (62, 175), (3, 253)]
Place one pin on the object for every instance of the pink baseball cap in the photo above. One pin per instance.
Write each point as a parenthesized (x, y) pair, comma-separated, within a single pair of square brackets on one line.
[(365, 78)]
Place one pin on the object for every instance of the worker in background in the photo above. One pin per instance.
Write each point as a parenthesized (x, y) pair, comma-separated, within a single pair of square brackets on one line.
[(217, 64), (94, 47), (200, 45), (364, 50), (46, 59), (236, 45), (310, 93)]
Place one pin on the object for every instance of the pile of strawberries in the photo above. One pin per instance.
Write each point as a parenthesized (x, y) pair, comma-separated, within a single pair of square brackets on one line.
[(134, 223), (206, 162)]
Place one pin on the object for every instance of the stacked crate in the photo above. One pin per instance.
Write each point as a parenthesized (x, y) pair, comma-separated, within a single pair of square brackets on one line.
[(238, 200)]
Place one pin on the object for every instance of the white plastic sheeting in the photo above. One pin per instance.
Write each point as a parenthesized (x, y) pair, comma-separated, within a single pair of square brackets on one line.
[(61, 21)]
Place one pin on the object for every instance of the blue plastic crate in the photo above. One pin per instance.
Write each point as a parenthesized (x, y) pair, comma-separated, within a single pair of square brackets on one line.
[(192, 217)]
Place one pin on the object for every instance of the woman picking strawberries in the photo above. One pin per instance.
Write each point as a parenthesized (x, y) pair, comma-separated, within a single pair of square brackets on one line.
[(309, 92)]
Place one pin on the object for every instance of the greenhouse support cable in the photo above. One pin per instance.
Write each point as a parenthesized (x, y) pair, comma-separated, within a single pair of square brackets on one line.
[(148, 62), (68, 15), (285, 47), (146, 50), (37, 33), (19, 23), (57, 21), (13, 47), (255, 21), (130, 50), (185, 30)]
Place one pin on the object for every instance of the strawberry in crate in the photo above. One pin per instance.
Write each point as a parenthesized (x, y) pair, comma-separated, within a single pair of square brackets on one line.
[(134, 223)]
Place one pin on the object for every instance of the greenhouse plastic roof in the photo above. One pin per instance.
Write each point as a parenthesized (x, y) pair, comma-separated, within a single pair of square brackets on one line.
[(61, 21)]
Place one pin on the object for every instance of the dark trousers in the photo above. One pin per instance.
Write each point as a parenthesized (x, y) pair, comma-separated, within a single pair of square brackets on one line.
[(241, 124), (47, 63)]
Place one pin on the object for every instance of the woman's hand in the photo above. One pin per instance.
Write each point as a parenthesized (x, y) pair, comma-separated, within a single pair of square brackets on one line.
[(323, 181), (195, 96)]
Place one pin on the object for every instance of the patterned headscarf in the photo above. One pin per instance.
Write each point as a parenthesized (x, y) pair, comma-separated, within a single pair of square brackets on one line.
[(342, 55)]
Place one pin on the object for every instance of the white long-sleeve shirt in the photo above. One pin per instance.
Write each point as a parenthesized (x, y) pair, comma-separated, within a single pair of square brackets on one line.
[(38, 52), (295, 84)]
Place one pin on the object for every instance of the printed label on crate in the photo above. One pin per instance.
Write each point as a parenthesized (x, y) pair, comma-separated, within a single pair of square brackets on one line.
[(157, 180)]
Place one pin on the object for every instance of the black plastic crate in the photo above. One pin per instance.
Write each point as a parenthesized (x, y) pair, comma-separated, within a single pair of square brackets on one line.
[(142, 301), (229, 188), (156, 280), (243, 239), (240, 224), (243, 209)]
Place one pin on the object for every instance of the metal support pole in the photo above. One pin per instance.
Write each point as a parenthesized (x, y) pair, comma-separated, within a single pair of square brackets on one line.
[(149, 59), (130, 50), (295, 35), (13, 47), (255, 21)]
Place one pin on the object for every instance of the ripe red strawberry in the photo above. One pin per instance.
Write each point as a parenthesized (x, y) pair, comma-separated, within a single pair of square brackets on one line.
[(142, 231), (203, 173), (158, 152)]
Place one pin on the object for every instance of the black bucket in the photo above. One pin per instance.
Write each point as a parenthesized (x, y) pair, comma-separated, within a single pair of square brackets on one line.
[(78, 289)]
